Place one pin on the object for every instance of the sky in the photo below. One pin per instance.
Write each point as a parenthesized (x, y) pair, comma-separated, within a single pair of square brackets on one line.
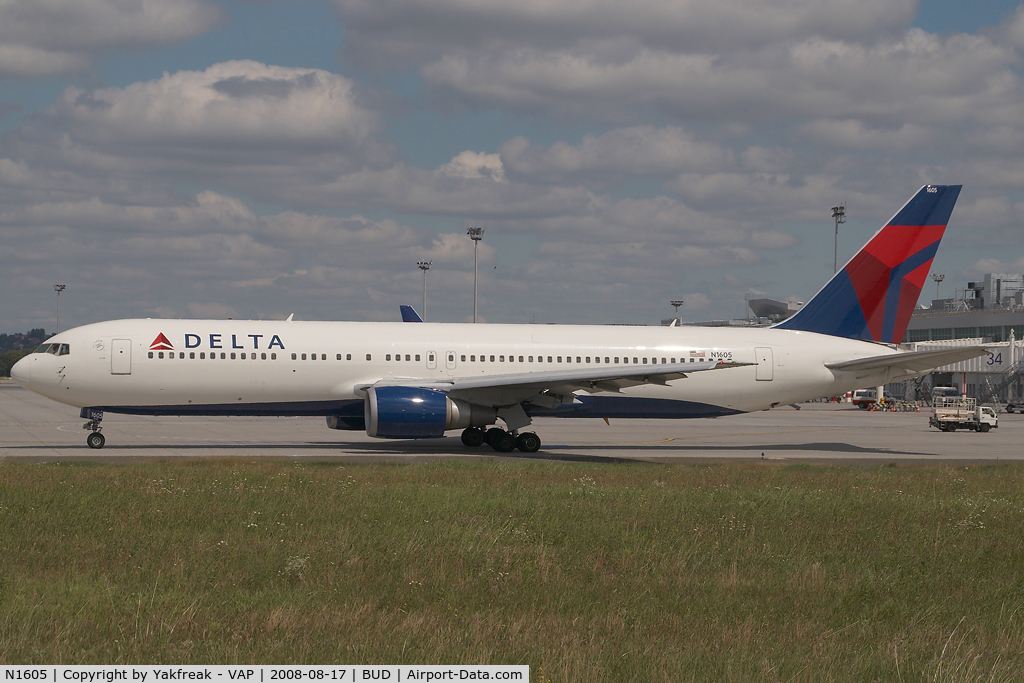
[(255, 159)]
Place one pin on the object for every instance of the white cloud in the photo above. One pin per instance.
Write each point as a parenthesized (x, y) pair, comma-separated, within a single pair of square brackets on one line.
[(407, 31), (639, 150), (471, 164), (43, 37)]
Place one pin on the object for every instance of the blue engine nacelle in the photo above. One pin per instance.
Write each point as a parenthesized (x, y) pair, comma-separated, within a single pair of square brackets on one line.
[(414, 413)]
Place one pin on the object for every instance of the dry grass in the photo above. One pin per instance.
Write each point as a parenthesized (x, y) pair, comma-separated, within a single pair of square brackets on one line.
[(617, 572)]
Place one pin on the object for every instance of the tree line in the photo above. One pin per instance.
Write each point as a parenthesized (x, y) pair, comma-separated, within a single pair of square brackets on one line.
[(14, 347)]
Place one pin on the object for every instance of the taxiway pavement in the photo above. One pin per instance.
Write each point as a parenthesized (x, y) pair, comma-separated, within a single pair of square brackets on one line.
[(36, 428)]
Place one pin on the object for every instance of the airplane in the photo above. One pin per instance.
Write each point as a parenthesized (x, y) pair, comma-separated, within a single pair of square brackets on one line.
[(401, 381)]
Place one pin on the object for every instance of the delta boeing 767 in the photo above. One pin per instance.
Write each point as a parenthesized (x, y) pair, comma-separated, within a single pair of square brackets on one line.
[(408, 381)]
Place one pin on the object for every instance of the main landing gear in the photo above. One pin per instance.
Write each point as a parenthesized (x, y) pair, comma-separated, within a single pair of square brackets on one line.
[(95, 439), (500, 440)]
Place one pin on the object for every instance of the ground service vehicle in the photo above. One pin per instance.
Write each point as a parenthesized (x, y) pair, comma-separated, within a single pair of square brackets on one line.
[(960, 412)]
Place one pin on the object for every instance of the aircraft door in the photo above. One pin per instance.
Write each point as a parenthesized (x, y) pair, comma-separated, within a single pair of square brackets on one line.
[(431, 360), (765, 363), (121, 357), (450, 359)]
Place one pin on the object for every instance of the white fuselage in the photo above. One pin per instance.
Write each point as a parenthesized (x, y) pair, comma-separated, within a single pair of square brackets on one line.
[(310, 368)]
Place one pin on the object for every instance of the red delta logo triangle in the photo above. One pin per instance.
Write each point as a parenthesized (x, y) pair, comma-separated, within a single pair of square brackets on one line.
[(161, 343)]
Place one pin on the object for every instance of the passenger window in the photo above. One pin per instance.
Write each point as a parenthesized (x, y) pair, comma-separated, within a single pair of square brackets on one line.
[(588, 359), (387, 357), (501, 359), (451, 357), (645, 361), (150, 354), (430, 358), (463, 357), (616, 359), (634, 361), (492, 359), (191, 355), (578, 359), (263, 356), (323, 356), (160, 355), (232, 355), (531, 358), (606, 359), (348, 356), (243, 355), (559, 359), (417, 356), (407, 357), (273, 356), (303, 356), (549, 359)]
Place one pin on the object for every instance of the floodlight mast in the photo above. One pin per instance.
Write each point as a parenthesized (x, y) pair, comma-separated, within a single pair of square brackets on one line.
[(677, 303), (424, 266), (938, 277), (475, 234), (839, 215), (59, 289)]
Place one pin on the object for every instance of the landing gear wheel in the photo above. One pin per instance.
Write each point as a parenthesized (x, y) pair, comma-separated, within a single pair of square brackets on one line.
[(472, 437), (491, 434), (95, 440), (503, 442), (528, 442)]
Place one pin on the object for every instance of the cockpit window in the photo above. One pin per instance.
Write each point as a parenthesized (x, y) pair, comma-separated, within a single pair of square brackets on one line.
[(64, 350), (44, 348)]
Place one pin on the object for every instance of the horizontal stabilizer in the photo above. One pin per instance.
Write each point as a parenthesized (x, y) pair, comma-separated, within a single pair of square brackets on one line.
[(911, 362)]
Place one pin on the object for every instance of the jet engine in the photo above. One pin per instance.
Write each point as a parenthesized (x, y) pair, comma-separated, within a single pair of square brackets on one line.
[(414, 413)]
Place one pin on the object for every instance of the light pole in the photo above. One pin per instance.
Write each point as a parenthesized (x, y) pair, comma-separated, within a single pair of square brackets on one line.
[(938, 277), (58, 289), (677, 303), (424, 266), (475, 234), (839, 214)]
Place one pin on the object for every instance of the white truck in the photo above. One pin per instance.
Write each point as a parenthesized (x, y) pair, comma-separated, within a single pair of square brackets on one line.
[(959, 412)]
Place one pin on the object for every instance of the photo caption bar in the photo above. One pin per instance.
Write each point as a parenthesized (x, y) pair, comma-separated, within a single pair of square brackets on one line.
[(111, 673)]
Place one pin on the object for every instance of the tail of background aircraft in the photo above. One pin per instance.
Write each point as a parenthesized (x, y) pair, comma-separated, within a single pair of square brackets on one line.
[(874, 294), (409, 314)]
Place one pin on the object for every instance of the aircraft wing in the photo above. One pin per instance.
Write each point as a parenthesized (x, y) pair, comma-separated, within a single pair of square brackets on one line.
[(911, 362), (551, 388)]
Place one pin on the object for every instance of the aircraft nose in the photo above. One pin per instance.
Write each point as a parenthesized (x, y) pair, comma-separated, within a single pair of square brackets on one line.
[(21, 372)]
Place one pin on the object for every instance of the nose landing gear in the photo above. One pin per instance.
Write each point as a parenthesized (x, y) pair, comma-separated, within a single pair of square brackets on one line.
[(96, 438)]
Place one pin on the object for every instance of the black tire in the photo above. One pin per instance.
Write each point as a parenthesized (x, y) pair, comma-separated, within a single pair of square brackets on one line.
[(528, 442), (1010, 408), (503, 442), (95, 440), (492, 434), (472, 437), (985, 427)]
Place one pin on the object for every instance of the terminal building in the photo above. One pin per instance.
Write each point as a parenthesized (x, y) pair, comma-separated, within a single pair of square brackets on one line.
[(988, 312)]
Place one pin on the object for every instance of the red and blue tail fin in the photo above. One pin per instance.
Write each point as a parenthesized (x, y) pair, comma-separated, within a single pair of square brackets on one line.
[(874, 294)]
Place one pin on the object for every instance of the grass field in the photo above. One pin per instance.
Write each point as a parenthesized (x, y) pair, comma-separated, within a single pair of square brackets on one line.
[(585, 572)]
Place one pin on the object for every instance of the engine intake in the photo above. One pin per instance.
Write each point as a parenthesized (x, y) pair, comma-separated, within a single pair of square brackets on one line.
[(414, 413)]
